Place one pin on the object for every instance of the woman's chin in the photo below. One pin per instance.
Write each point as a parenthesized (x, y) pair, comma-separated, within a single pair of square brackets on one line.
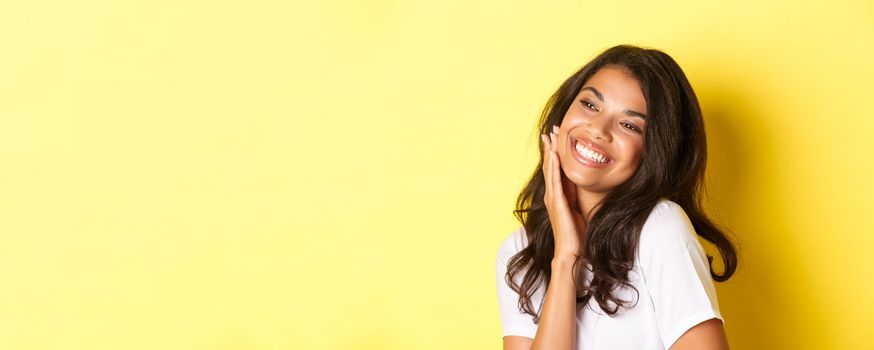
[(587, 185)]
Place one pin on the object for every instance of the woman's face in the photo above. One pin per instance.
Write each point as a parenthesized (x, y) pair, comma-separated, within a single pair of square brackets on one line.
[(607, 117)]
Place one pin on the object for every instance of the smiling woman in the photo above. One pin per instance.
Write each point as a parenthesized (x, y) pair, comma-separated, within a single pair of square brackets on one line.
[(608, 247), (588, 128)]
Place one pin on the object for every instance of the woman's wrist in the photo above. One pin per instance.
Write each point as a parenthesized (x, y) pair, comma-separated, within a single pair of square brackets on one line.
[(563, 260)]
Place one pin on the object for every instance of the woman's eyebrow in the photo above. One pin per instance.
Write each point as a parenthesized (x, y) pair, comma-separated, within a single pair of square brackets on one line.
[(596, 92), (631, 113), (627, 112)]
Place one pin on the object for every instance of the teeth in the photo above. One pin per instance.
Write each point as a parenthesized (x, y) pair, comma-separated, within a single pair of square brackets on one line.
[(591, 154)]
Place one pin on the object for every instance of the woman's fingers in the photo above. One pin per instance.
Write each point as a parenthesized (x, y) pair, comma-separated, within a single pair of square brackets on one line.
[(555, 172), (547, 165), (551, 167)]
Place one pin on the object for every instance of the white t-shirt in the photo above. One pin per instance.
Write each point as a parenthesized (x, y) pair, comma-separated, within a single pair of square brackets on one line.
[(670, 273)]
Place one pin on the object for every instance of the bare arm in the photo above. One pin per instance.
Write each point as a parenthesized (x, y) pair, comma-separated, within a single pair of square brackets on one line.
[(557, 327), (707, 335)]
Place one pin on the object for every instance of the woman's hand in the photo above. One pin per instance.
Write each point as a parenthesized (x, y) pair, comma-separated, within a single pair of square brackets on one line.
[(568, 225)]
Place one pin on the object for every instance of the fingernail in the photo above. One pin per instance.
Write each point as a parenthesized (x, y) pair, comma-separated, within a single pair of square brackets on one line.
[(555, 129)]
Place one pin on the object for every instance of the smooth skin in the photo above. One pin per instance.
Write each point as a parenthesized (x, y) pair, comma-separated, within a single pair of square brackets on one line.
[(607, 122)]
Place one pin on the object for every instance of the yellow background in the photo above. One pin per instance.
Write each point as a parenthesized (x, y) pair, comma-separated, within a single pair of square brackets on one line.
[(339, 175)]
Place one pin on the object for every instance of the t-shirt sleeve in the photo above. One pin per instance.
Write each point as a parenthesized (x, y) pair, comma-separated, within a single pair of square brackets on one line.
[(676, 272), (513, 320)]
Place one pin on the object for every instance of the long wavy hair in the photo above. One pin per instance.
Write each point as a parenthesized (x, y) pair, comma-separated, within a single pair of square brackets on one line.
[(672, 167)]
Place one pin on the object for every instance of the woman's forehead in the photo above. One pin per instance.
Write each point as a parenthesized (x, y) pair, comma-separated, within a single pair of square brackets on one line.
[(614, 85)]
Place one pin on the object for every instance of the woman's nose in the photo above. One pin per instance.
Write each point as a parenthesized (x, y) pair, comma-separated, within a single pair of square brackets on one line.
[(597, 128)]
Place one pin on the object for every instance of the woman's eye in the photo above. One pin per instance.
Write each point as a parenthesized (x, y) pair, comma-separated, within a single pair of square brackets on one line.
[(588, 105), (632, 127)]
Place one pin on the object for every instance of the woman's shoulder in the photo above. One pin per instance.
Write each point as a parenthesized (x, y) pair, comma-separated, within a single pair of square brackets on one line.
[(512, 244), (667, 222), (665, 204)]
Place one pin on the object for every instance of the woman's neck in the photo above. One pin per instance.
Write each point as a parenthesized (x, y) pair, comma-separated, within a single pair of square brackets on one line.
[(586, 201)]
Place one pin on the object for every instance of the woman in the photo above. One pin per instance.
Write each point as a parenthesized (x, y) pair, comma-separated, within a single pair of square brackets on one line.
[(611, 216)]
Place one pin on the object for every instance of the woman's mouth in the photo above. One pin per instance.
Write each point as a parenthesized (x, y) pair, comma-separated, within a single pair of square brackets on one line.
[(588, 156)]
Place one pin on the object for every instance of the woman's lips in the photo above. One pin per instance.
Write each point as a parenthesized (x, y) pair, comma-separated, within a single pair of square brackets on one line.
[(586, 161)]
